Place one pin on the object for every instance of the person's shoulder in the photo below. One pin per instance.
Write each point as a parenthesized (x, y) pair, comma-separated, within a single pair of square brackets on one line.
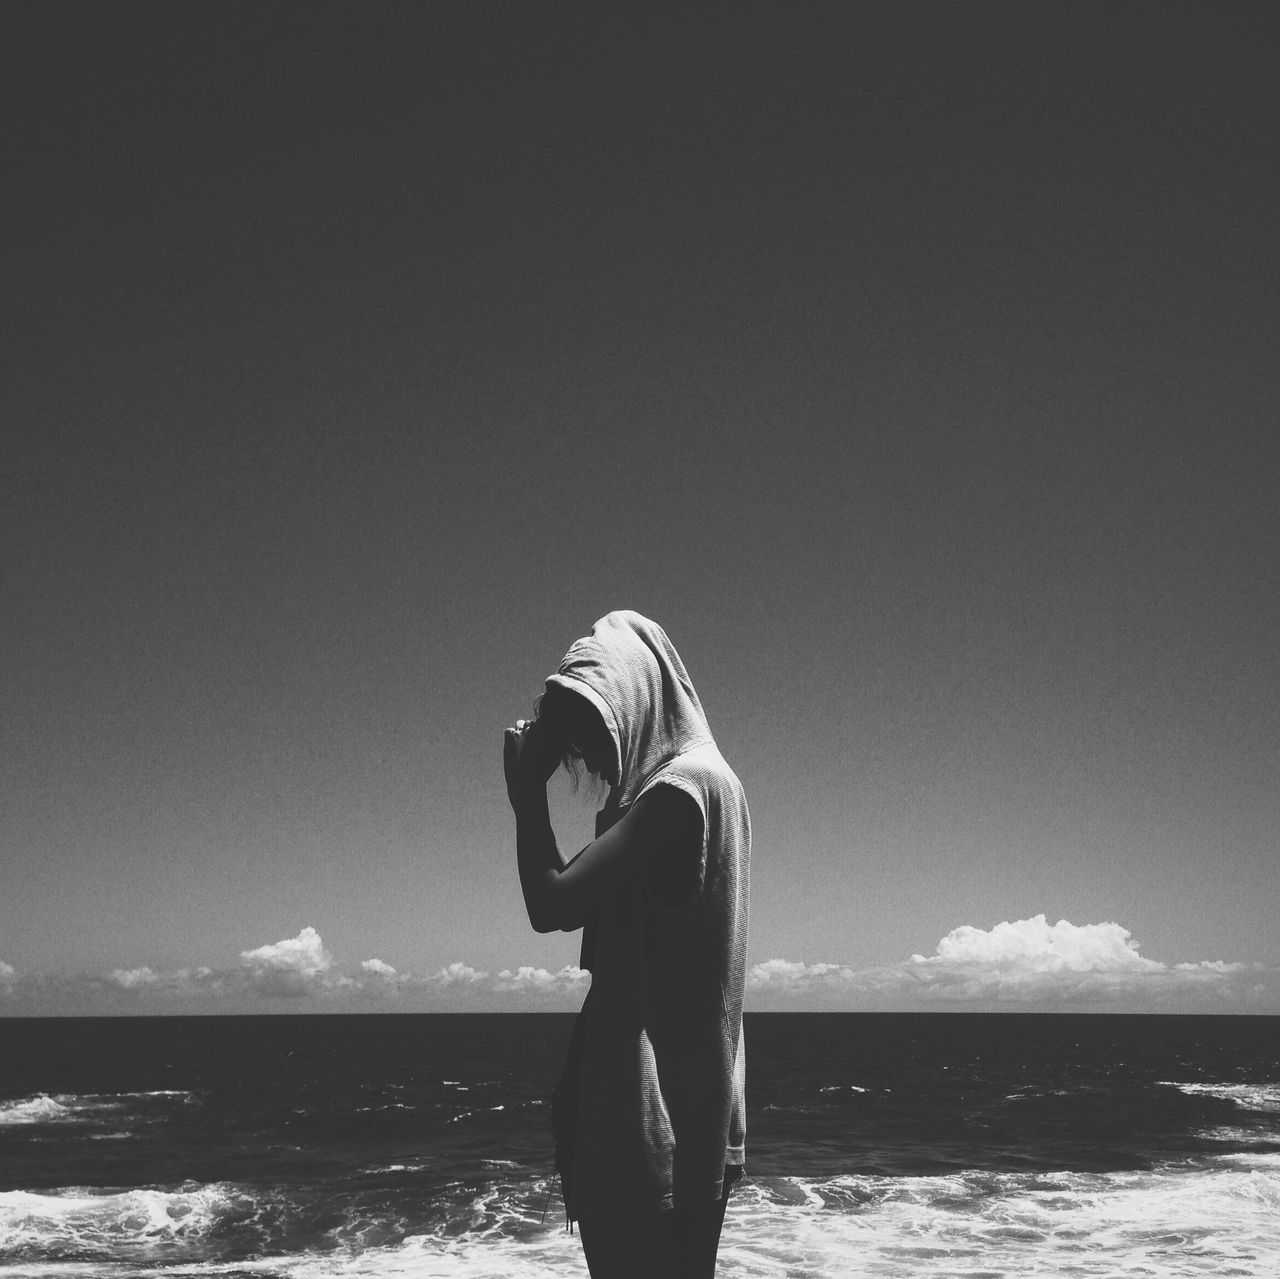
[(704, 767)]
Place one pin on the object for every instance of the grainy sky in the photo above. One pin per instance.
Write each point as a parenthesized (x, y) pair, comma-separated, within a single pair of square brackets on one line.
[(915, 365)]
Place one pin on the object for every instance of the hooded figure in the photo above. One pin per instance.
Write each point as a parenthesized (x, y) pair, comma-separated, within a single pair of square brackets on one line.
[(651, 1109)]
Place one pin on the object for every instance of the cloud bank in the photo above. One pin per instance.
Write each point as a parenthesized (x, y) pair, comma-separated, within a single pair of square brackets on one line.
[(569, 980), (300, 972), (1025, 963)]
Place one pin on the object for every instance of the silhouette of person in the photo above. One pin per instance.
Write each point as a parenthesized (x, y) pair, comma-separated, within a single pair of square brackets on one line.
[(649, 1114)]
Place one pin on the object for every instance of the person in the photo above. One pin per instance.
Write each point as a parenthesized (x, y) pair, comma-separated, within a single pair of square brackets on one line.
[(649, 1115)]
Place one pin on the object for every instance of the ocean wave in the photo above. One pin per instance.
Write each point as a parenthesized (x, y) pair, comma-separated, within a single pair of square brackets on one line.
[(62, 1108), (1178, 1222), (1259, 1097), (40, 1109), (1256, 1137), (1171, 1223), (79, 1223), (1256, 1160)]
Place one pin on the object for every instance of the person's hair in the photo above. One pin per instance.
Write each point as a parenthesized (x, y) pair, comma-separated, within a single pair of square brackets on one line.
[(548, 710), (553, 711)]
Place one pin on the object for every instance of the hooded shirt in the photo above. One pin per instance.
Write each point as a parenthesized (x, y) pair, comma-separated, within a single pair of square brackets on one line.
[(660, 1108)]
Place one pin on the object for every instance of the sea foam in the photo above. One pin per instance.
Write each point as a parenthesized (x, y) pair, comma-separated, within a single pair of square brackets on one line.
[(1178, 1222), (78, 1223), (40, 1109), (62, 1108), (1263, 1098)]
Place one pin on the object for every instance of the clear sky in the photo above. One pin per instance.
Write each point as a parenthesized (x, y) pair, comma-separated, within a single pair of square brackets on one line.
[(915, 365)]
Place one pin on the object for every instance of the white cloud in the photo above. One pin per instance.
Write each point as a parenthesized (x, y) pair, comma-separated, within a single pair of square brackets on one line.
[(289, 969), (295, 968), (458, 974), (1031, 960), (787, 974), (1034, 945), (1026, 961), (182, 981), (541, 980), (131, 978), (1020, 963)]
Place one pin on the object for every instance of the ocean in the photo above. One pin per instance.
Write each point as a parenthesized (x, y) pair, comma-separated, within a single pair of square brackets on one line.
[(889, 1145)]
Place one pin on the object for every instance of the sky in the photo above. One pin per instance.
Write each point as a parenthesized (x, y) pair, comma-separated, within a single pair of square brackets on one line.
[(913, 364)]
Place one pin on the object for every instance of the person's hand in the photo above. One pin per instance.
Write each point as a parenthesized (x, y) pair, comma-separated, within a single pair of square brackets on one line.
[(528, 759)]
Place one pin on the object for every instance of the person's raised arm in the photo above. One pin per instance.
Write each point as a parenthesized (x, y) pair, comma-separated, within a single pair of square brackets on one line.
[(528, 760), (664, 823)]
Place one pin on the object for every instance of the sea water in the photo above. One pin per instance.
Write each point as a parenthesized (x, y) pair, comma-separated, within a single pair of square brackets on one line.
[(906, 1145)]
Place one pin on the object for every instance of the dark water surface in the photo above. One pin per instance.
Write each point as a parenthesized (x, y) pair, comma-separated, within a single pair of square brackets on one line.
[(878, 1144)]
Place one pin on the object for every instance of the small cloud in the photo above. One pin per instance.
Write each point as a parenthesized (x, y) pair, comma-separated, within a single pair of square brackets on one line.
[(787, 974), (289, 969), (132, 978), (8, 977), (376, 968), (458, 974)]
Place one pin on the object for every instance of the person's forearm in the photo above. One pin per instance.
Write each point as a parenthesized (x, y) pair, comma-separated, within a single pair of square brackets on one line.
[(539, 859)]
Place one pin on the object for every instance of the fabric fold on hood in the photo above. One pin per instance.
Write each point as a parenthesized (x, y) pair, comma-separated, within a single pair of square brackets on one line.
[(630, 672)]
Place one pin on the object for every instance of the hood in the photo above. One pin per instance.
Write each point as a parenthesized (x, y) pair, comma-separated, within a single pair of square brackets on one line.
[(631, 673)]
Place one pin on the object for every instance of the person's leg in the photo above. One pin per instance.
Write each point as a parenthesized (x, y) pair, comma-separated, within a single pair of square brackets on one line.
[(696, 1238), (680, 1244), (625, 1246)]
